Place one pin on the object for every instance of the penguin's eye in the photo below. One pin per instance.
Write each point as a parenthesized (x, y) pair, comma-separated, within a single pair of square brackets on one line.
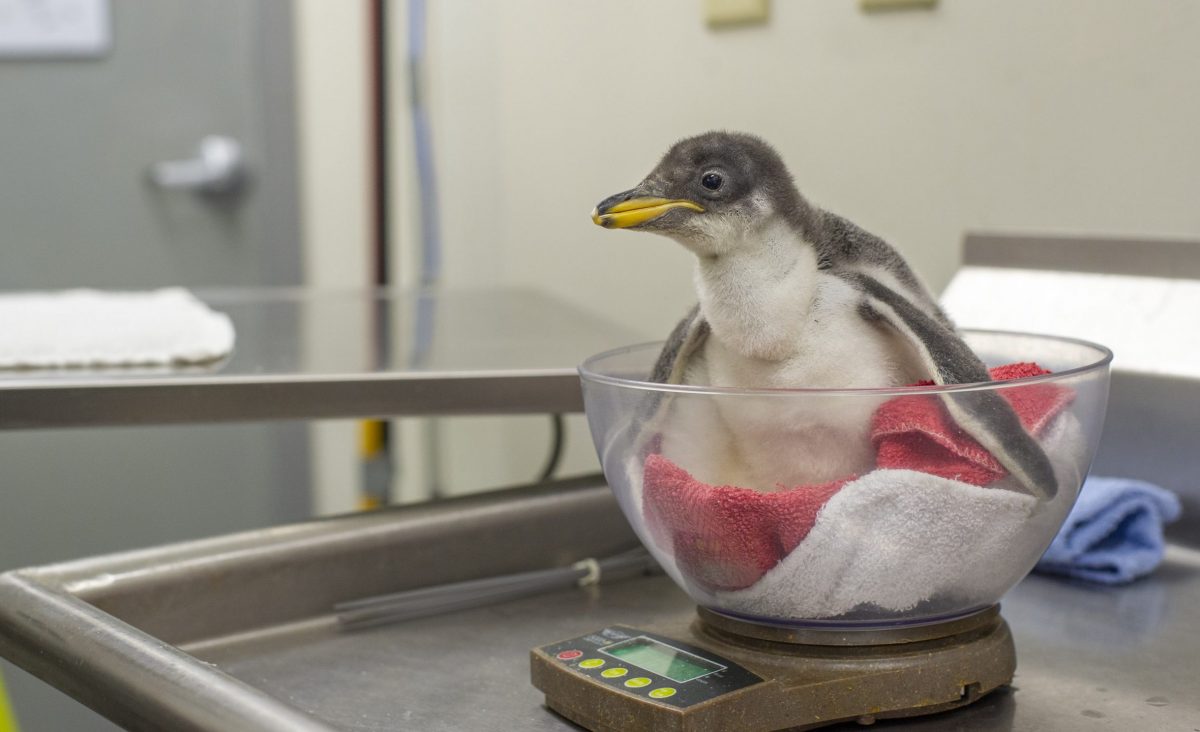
[(712, 181)]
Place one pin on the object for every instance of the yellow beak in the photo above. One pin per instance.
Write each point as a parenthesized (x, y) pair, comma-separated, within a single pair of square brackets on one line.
[(638, 211)]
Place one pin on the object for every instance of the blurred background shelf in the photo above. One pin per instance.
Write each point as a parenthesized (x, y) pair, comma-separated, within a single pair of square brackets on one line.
[(302, 354)]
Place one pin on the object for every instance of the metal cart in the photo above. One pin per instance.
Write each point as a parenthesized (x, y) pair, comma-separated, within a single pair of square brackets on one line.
[(238, 632)]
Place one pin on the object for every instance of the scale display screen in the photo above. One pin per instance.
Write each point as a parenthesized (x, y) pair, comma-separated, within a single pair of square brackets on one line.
[(662, 659)]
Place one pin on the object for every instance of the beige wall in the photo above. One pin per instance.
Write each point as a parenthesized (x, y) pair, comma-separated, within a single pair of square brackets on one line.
[(1076, 115), (1072, 115)]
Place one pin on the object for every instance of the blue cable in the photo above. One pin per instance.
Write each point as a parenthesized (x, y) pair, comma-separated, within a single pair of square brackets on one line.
[(431, 245)]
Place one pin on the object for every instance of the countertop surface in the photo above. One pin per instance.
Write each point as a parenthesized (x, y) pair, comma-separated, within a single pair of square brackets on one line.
[(237, 632), (1089, 658)]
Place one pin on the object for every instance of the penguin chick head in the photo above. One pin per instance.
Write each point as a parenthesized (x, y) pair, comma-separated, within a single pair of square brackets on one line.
[(710, 193)]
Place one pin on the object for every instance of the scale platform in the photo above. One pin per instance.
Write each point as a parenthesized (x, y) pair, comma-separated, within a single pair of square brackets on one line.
[(718, 673)]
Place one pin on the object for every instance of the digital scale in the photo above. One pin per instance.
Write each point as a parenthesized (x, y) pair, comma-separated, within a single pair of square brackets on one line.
[(714, 672)]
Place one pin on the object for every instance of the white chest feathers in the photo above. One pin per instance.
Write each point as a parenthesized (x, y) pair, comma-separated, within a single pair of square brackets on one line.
[(779, 323)]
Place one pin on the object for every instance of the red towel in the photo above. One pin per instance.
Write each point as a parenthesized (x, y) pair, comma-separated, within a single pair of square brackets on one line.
[(916, 433), (726, 537)]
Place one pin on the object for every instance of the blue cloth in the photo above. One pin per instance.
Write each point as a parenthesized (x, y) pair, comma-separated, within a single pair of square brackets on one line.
[(1114, 534)]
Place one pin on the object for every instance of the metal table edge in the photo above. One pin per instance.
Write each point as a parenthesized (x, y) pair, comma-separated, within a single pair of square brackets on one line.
[(192, 401), (87, 577), (125, 674), (49, 626)]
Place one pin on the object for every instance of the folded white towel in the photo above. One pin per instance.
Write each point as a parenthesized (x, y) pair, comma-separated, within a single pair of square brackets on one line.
[(90, 328)]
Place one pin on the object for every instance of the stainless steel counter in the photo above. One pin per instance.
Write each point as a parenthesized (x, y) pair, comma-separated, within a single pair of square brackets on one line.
[(312, 355), (235, 632)]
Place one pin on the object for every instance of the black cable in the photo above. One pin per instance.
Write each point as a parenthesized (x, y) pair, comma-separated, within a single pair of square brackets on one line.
[(556, 447)]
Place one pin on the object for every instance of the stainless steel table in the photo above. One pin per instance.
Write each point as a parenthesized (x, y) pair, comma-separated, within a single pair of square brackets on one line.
[(236, 632), (306, 355)]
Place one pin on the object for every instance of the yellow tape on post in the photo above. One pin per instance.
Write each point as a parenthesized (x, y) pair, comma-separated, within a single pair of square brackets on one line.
[(374, 467), (8, 720), (370, 438)]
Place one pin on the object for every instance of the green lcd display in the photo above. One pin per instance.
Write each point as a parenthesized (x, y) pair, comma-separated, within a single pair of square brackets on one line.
[(661, 659)]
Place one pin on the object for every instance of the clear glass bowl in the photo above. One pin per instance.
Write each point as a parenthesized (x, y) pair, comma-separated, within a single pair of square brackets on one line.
[(854, 508)]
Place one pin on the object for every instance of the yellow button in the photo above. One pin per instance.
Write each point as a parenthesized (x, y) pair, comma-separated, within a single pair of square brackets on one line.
[(637, 683), (613, 673), (591, 663), (662, 692)]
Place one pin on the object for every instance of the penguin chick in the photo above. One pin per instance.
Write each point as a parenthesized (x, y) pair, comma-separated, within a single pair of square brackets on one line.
[(791, 296)]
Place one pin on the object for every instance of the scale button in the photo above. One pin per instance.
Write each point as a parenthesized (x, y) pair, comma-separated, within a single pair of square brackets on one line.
[(662, 692), (614, 673), (568, 655), (638, 682), (592, 663)]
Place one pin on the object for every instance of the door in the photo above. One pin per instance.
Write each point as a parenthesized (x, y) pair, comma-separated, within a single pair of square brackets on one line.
[(77, 208)]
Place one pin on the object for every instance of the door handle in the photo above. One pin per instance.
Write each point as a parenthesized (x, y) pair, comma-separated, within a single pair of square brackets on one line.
[(219, 166)]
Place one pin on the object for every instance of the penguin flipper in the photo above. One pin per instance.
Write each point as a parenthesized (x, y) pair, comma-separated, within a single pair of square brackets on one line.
[(983, 414), (686, 337), (669, 368)]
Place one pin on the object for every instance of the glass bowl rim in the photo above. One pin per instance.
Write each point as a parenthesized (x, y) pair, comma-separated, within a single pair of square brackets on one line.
[(587, 373)]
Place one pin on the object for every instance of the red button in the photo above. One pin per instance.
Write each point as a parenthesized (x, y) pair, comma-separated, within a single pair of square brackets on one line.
[(569, 655)]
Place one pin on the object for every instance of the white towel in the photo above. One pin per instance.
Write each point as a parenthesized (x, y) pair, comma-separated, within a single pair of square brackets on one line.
[(90, 328), (894, 539)]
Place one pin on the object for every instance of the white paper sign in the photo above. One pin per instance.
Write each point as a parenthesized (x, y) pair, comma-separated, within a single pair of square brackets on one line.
[(54, 28)]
